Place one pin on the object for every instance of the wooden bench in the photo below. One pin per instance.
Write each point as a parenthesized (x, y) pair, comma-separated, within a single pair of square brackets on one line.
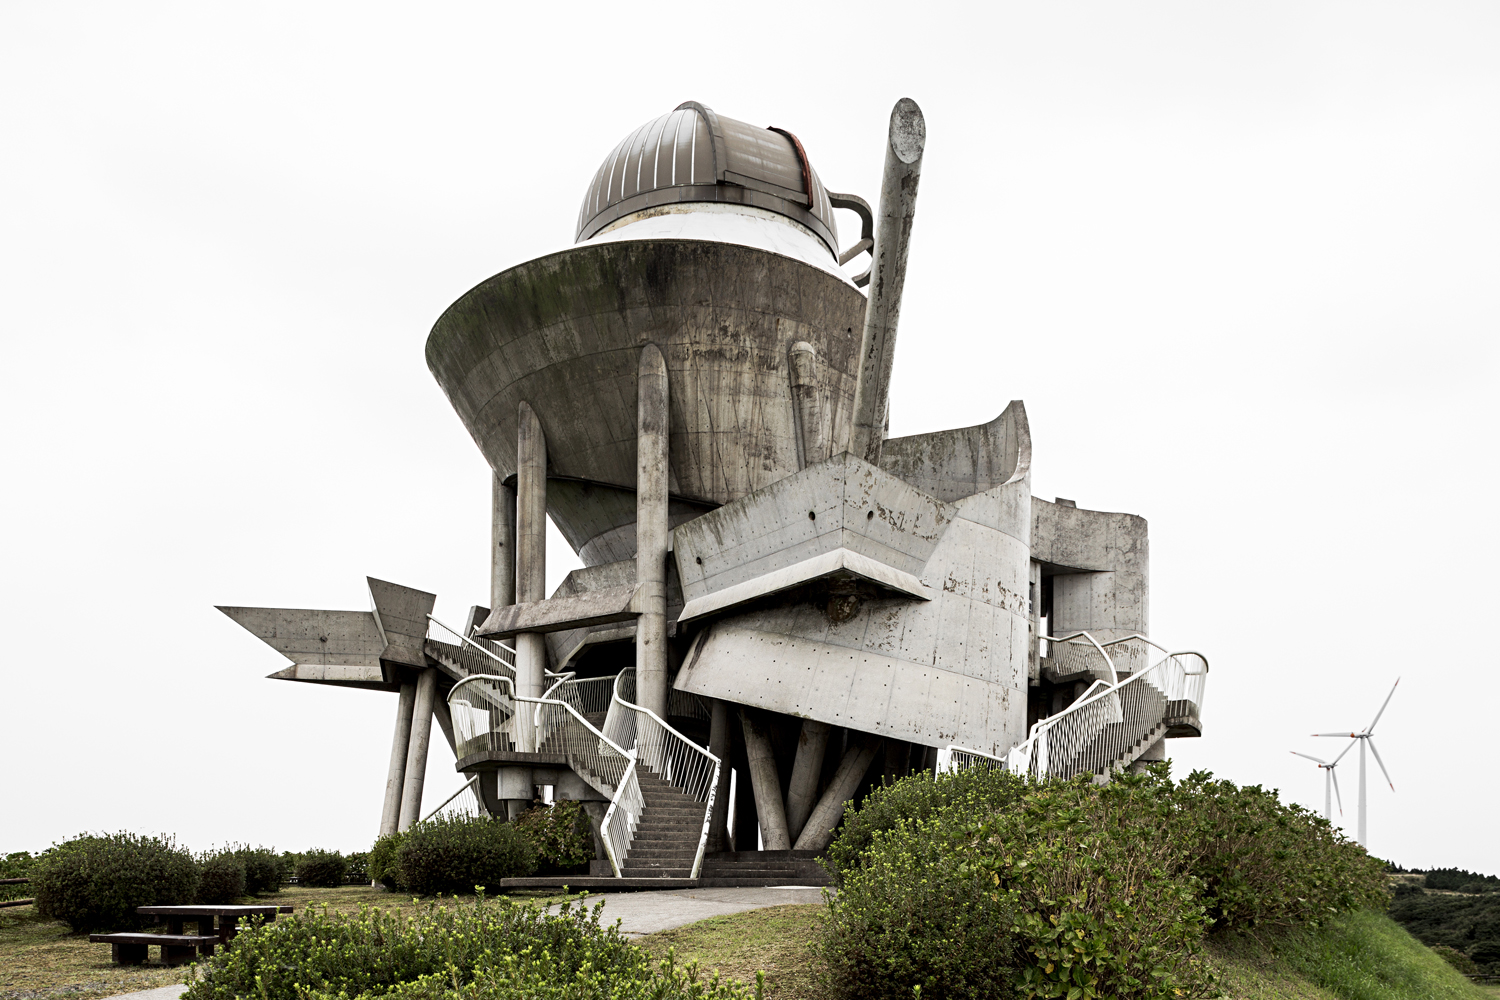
[(130, 949)]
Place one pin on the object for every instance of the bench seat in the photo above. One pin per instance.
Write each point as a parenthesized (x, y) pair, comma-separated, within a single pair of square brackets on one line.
[(130, 948)]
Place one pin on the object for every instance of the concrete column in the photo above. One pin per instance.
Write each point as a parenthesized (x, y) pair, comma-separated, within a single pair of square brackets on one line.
[(651, 532), (531, 561), (445, 722), (416, 751), (767, 785), (897, 753), (718, 745), (905, 138), (396, 777), (812, 430), (802, 793), (502, 545), (818, 833)]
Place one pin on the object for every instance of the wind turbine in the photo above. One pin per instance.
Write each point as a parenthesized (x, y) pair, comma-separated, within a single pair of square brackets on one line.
[(1330, 781), (1366, 737)]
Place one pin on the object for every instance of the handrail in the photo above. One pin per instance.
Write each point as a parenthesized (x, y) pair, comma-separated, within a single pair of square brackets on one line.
[(1114, 675), (470, 786)]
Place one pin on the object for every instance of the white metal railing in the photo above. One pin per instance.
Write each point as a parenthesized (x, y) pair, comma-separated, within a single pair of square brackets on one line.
[(1108, 727), (464, 802), (954, 758)]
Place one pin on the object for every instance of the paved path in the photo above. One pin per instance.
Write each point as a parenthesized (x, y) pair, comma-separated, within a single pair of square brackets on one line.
[(648, 912)]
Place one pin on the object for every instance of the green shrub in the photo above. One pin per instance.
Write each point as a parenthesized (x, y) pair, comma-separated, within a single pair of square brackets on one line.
[(1463, 963), (95, 882), (382, 865), (359, 867), (221, 878), (262, 870), (17, 865), (321, 869), (561, 835), (455, 855), (483, 951)]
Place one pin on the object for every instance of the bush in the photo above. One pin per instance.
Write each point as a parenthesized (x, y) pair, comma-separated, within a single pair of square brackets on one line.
[(382, 865), (359, 867), (221, 878), (561, 836), (455, 855), (322, 869), (95, 882), (483, 951), (17, 865), (263, 872), (1463, 963)]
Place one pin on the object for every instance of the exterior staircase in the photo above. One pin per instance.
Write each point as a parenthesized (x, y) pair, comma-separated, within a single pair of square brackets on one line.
[(666, 838)]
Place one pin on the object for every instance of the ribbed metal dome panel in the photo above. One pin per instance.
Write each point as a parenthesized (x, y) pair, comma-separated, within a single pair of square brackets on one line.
[(694, 155)]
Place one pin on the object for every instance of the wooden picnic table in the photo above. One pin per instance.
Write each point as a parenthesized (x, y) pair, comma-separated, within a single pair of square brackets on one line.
[(203, 916)]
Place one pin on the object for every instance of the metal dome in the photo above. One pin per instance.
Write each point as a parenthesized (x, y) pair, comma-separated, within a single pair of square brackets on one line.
[(694, 155)]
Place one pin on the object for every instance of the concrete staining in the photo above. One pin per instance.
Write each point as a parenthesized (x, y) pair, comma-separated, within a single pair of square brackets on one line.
[(695, 394)]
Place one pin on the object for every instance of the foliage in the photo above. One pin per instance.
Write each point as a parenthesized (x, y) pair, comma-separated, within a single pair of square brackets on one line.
[(263, 871), (478, 951), (16, 865), (382, 865), (456, 855), (221, 877), (322, 869), (359, 867), (1108, 889), (1460, 880), (916, 798), (1463, 963), (561, 835), (95, 881), (1466, 923)]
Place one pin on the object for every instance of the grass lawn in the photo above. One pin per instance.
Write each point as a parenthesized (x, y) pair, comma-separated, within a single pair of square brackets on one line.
[(773, 940), (43, 958)]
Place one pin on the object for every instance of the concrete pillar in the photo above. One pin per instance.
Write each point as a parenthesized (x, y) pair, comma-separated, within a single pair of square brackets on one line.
[(802, 793), (395, 778), (897, 753), (416, 751), (767, 785), (718, 745), (502, 545), (445, 722), (531, 561), (651, 532), (818, 833), (812, 430), (905, 138)]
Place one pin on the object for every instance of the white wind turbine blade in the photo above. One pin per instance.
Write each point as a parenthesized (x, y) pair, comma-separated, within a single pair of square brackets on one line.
[(1387, 701), (1341, 754), (1345, 735), (1309, 756), (1335, 776), (1383, 771)]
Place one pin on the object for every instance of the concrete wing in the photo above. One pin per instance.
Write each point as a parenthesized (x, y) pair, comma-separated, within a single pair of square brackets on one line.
[(839, 517), (325, 647), (958, 463), (401, 615)]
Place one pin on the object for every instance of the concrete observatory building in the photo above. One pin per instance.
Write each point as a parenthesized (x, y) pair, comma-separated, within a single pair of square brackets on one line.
[(779, 606)]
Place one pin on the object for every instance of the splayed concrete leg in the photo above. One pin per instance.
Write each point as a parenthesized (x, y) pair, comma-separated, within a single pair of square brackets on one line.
[(818, 833), (803, 790), (416, 751), (718, 745), (651, 533), (395, 778), (767, 784)]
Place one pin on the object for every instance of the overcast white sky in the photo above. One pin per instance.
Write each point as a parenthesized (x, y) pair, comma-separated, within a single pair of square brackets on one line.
[(1239, 259)]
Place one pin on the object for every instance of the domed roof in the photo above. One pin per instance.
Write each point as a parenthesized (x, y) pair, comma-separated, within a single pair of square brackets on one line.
[(694, 155)]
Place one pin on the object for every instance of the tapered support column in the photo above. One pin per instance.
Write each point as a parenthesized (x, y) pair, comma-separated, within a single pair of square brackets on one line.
[(502, 545), (718, 745), (802, 792), (905, 139), (416, 751), (651, 533), (395, 778), (531, 560), (818, 833), (767, 784), (1362, 842), (812, 430)]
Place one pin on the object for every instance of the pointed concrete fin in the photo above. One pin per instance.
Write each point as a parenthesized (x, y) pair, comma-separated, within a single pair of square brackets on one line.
[(958, 463), (401, 615), (316, 638)]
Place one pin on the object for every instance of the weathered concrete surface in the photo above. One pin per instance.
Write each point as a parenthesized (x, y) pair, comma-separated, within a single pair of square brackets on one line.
[(1101, 565), (502, 544), (395, 779), (578, 611), (954, 464), (401, 614), (652, 532), (416, 750), (566, 329), (769, 809), (649, 912), (327, 647), (531, 559)]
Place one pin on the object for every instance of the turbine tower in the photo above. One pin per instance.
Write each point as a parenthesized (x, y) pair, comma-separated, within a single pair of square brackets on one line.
[(1367, 737), (1330, 781)]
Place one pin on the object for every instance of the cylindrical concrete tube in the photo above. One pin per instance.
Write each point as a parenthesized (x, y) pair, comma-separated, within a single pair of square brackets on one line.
[(802, 792), (905, 139), (818, 833), (767, 784), (811, 428), (651, 533), (531, 561), (416, 752), (395, 778), (718, 745), (502, 545)]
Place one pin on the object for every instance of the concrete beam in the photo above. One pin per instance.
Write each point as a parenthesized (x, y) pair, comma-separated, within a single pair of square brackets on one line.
[(651, 532), (818, 833), (558, 614), (416, 751), (905, 138), (343, 646), (802, 792), (395, 779), (767, 785)]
